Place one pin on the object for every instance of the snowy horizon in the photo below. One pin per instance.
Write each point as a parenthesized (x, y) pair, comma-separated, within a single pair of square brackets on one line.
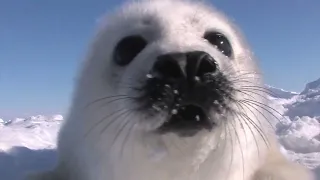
[(29, 143)]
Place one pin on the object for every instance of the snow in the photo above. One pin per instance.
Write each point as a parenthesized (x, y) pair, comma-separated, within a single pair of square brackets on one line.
[(27, 144), (299, 130), (35, 132), (280, 93), (307, 103)]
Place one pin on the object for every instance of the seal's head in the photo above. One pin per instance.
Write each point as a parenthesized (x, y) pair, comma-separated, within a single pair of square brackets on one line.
[(166, 71), (175, 67)]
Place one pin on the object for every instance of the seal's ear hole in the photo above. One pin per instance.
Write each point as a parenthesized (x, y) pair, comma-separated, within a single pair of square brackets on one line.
[(128, 48), (219, 41)]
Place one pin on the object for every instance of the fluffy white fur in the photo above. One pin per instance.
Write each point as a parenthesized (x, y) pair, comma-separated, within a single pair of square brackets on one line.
[(126, 150)]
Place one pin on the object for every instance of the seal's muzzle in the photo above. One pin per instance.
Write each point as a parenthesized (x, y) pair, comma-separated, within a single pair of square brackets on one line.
[(189, 87)]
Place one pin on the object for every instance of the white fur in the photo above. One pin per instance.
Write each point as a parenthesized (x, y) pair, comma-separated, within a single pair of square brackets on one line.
[(232, 151)]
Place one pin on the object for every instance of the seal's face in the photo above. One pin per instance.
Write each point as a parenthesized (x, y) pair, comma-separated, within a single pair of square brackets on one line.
[(177, 66)]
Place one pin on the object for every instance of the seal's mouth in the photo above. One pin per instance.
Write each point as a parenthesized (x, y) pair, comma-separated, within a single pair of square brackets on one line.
[(187, 120)]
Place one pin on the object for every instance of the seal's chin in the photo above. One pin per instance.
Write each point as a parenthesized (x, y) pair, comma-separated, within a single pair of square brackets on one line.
[(186, 121)]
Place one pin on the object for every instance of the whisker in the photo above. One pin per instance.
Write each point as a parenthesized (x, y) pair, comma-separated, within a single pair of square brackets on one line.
[(259, 113), (104, 98), (102, 119), (244, 92), (254, 137), (119, 132), (232, 151), (244, 76), (262, 89), (259, 130), (264, 107), (126, 138), (111, 101), (253, 106), (115, 119), (238, 139), (236, 73)]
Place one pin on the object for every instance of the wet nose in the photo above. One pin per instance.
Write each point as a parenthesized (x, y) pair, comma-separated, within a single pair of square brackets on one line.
[(191, 66)]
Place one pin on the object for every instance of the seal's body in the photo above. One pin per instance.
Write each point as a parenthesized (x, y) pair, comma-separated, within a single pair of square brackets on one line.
[(169, 91)]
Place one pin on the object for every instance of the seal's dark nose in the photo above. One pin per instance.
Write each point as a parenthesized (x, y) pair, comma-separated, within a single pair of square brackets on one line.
[(184, 84), (191, 66)]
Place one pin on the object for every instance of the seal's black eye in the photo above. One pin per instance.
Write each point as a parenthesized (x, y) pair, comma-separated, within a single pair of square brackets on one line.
[(128, 48), (220, 41)]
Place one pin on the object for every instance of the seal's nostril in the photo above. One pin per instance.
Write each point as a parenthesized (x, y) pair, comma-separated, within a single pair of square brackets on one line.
[(206, 65), (199, 63), (167, 67)]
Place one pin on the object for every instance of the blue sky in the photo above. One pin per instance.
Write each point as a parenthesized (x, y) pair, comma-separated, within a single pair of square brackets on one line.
[(41, 43)]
